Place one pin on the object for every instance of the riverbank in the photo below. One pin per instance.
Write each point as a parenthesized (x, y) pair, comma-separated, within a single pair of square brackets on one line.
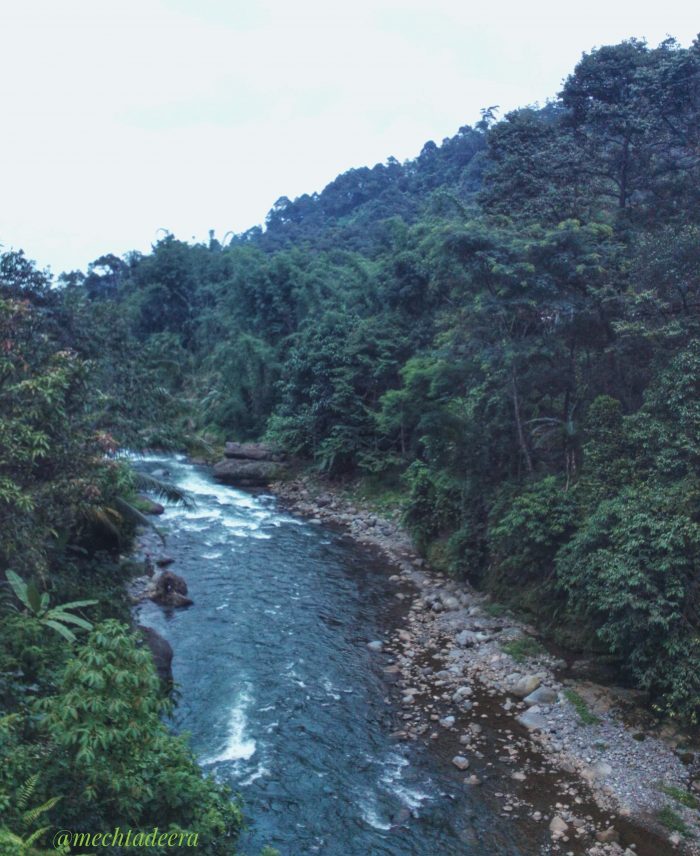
[(461, 666)]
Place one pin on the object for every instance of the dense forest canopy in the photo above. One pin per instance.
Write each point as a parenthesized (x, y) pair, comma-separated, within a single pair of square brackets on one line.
[(503, 332)]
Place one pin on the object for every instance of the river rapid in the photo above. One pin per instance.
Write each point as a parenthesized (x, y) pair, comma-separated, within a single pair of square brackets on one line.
[(283, 700)]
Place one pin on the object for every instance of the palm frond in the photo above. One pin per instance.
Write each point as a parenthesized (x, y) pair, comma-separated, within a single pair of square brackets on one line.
[(163, 490), (135, 516)]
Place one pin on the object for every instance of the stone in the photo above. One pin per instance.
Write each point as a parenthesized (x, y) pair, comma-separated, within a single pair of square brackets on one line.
[(170, 590), (596, 772), (460, 762), (447, 721), (149, 506), (608, 836), (542, 695), (532, 719), (253, 451), (525, 685), (161, 652), (247, 473), (558, 825), (461, 693), (375, 646), (466, 639)]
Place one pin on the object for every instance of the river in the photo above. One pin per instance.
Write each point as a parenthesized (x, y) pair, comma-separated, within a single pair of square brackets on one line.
[(283, 700)]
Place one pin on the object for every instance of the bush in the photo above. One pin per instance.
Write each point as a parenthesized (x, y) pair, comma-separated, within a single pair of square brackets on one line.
[(115, 762), (524, 539), (632, 571)]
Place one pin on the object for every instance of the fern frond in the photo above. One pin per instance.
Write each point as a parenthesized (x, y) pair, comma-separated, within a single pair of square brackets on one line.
[(26, 791)]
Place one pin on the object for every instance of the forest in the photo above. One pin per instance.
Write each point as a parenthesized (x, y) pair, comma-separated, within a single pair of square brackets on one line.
[(499, 337)]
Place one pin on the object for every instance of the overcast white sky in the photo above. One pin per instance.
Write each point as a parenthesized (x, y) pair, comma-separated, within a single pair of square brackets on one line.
[(120, 117)]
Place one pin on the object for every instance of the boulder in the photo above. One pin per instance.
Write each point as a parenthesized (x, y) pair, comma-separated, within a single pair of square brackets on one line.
[(253, 452), (525, 685), (532, 719), (161, 651), (460, 762), (247, 473), (170, 590), (542, 695), (608, 836), (558, 826), (148, 506), (467, 639)]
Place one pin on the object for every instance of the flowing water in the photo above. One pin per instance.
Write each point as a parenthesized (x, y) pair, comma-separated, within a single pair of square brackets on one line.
[(282, 698)]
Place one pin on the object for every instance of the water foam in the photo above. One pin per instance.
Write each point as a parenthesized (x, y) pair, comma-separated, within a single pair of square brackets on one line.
[(369, 814), (238, 747)]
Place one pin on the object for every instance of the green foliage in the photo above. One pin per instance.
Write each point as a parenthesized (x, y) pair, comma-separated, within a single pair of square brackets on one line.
[(680, 796), (631, 568), (606, 452), (523, 648), (672, 821), (114, 759), (526, 536), (23, 844), (584, 714), (38, 607)]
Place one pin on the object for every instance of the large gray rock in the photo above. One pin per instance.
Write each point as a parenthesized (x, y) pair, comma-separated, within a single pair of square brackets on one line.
[(253, 452), (161, 651), (525, 685), (247, 473), (532, 719), (467, 639), (542, 695)]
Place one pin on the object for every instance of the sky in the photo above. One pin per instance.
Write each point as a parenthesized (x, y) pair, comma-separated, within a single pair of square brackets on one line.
[(124, 117)]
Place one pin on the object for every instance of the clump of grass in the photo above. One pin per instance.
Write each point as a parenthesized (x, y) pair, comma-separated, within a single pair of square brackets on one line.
[(584, 714), (679, 795), (668, 817), (522, 648), (495, 610)]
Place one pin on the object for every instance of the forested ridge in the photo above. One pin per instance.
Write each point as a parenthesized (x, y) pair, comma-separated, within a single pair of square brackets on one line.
[(500, 336)]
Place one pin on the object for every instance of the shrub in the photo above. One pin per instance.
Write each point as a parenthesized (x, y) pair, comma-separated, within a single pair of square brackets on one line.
[(631, 570), (525, 538)]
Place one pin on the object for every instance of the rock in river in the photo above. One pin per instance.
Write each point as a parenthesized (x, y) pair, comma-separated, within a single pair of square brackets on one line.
[(253, 451), (170, 590), (161, 651), (247, 473)]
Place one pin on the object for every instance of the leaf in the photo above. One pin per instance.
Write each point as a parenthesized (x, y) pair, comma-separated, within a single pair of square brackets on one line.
[(58, 615), (77, 604), (34, 598), (19, 587), (59, 628)]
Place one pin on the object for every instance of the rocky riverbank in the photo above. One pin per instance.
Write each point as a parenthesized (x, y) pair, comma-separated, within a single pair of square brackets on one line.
[(461, 667)]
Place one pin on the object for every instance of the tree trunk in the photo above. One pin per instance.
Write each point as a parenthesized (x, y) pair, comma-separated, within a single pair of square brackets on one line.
[(519, 424)]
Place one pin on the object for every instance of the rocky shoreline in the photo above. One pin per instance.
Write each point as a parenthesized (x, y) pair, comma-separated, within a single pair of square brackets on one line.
[(460, 665)]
